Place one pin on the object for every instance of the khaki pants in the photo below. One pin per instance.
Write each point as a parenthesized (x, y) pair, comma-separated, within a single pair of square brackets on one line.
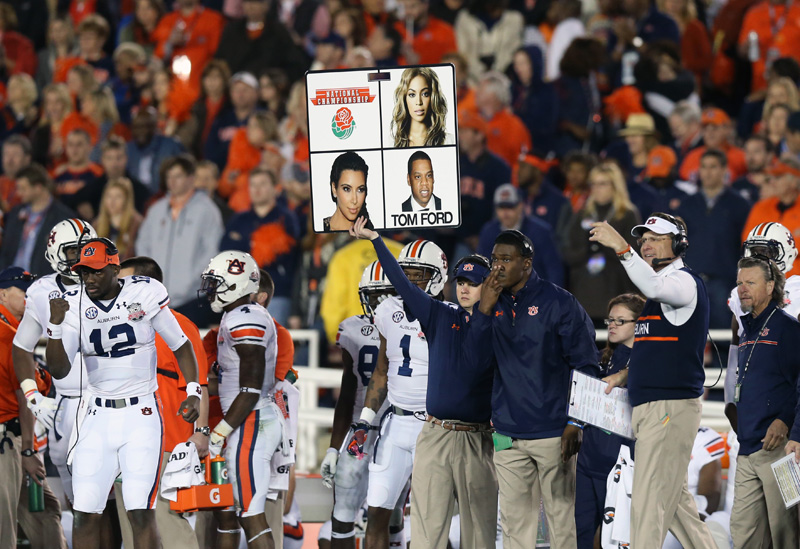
[(529, 471), (665, 431), (273, 511), (43, 529), (175, 531), (758, 511), (452, 466)]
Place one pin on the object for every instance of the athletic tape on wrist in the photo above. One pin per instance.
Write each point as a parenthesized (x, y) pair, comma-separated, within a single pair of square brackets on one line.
[(367, 415), (30, 389), (54, 331), (223, 428)]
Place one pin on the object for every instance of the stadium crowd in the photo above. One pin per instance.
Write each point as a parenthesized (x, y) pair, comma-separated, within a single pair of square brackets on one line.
[(179, 129)]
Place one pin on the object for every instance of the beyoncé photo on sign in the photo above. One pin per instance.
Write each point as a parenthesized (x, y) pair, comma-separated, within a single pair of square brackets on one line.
[(420, 109), (348, 191)]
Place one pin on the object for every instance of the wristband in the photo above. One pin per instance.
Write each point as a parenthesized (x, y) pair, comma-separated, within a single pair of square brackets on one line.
[(623, 252), (575, 424), (30, 389), (53, 331), (367, 415), (193, 389), (223, 428)]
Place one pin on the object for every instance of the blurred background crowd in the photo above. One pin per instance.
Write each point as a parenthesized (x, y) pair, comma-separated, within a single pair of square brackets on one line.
[(178, 127)]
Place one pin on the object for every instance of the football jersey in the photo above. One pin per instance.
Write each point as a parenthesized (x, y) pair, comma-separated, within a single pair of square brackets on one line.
[(37, 309), (407, 351), (245, 325), (708, 446), (791, 299), (360, 338), (117, 338)]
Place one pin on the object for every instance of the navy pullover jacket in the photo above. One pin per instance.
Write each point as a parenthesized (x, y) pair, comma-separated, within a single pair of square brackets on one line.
[(769, 387), (537, 337), (459, 381)]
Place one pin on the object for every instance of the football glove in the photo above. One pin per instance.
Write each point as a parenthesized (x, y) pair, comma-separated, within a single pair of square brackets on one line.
[(356, 445), (43, 409), (328, 467)]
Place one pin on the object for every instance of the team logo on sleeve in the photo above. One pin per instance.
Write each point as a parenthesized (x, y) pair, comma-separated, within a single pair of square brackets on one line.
[(365, 330), (397, 317), (91, 313), (235, 267), (135, 312)]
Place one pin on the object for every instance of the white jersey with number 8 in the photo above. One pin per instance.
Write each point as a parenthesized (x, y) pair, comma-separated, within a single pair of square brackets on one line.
[(360, 338), (407, 351), (245, 325)]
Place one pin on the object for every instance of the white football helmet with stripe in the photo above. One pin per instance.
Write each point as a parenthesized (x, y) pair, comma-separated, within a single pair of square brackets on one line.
[(373, 288), (229, 276), (424, 254), (70, 233), (774, 241)]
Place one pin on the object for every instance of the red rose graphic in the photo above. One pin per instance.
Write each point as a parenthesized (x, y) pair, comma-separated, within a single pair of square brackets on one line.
[(344, 119)]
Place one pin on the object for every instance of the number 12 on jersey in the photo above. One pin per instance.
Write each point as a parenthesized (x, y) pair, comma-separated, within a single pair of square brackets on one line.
[(120, 348)]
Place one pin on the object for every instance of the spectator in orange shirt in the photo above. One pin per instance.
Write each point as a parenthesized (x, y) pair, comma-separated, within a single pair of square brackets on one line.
[(576, 167), (77, 180), (214, 96), (92, 32), (244, 99), (716, 135), (192, 31), (783, 207), (16, 156), (245, 153), (18, 52), (432, 37), (507, 135), (765, 21), (141, 26), (375, 15), (172, 391)]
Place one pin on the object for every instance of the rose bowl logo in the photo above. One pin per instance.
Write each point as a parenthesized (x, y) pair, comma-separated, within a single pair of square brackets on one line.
[(135, 312), (343, 124)]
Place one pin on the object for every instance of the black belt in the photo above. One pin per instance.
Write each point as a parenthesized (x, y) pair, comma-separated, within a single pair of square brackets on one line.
[(11, 426), (396, 410), (116, 403)]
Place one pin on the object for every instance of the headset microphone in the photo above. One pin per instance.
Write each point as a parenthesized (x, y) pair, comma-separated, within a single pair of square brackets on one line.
[(658, 261)]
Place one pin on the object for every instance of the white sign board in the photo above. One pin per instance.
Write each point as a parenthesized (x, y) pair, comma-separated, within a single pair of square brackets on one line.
[(382, 144)]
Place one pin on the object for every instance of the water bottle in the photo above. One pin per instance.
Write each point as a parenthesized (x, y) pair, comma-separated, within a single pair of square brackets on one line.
[(753, 51), (35, 496), (219, 471)]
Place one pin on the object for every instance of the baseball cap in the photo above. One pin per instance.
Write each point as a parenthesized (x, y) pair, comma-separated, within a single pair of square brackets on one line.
[(96, 254), (473, 121), (506, 196), (246, 78), (16, 277), (638, 124), (779, 168), (655, 224), (715, 117), (472, 271), (660, 162), (332, 39), (793, 122)]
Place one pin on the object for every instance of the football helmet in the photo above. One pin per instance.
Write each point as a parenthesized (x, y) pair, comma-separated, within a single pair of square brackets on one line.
[(70, 233), (774, 241), (424, 254), (373, 288), (229, 276)]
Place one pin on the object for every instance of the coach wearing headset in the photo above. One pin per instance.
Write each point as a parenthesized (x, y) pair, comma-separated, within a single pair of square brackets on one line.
[(453, 460), (665, 378)]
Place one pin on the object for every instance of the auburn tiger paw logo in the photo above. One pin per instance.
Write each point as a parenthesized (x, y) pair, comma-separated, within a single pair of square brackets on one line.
[(147, 411)]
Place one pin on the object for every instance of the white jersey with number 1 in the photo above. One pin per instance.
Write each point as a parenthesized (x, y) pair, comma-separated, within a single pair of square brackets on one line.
[(246, 325), (791, 300), (117, 336), (407, 351)]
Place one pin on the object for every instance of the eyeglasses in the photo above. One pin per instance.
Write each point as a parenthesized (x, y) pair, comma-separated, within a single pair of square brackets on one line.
[(651, 240), (616, 321)]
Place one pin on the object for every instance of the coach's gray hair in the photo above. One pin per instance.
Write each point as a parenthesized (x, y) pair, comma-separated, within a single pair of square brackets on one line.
[(499, 85), (687, 110), (766, 265)]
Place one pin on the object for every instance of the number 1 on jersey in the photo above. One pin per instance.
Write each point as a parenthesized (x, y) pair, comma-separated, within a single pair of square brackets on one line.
[(405, 368)]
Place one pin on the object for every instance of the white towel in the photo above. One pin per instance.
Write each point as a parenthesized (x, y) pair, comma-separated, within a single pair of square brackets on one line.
[(617, 512), (285, 456), (182, 471)]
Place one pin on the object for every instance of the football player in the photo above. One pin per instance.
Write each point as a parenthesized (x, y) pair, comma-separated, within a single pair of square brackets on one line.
[(401, 375), (111, 324), (252, 423), (57, 415), (359, 341), (771, 241)]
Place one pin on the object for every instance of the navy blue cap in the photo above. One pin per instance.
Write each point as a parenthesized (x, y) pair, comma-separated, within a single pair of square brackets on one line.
[(16, 277), (472, 271), (333, 39)]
